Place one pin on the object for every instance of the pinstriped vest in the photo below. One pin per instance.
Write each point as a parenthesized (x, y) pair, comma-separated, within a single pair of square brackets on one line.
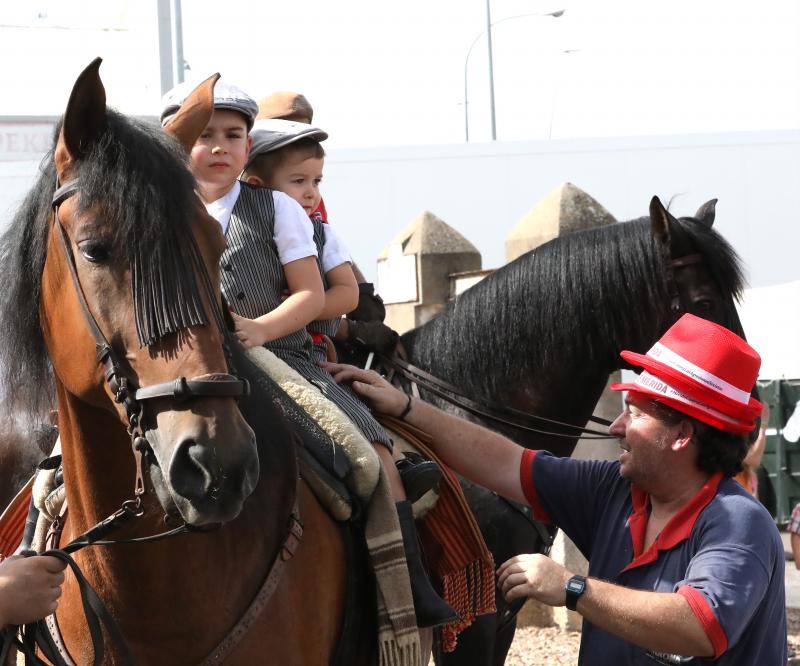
[(252, 275), (326, 326)]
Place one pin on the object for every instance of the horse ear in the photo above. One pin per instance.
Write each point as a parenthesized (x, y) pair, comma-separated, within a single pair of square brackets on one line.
[(660, 220), (85, 117), (706, 213), (195, 113)]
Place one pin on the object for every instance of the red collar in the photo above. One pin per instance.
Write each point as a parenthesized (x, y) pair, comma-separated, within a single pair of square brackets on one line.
[(676, 530)]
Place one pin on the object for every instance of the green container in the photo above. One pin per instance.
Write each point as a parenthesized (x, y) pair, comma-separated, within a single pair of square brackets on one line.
[(779, 488)]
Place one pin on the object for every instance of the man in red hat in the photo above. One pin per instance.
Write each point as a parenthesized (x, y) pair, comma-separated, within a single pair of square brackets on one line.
[(684, 563)]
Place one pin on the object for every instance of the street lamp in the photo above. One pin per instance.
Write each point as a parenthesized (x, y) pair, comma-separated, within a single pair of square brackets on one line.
[(488, 32)]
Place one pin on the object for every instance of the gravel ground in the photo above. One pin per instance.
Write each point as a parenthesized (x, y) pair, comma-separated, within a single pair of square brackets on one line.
[(549, 646), (533, 646)]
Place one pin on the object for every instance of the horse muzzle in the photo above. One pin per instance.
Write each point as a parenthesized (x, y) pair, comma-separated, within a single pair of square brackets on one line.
[(208, 478)]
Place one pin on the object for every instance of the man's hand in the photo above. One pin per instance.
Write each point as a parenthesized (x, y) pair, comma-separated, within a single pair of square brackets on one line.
[(251, 333), (376, 391), (29, 588), (535, 576)]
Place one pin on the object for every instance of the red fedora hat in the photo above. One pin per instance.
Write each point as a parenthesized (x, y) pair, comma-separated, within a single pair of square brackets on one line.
[(703, 370)]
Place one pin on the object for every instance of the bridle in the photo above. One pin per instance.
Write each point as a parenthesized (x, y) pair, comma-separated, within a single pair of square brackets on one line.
[(133, 399), (676, 306), (123, 388)]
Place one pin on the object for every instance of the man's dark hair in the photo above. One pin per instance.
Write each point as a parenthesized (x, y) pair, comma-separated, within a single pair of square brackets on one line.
[(717, 450)]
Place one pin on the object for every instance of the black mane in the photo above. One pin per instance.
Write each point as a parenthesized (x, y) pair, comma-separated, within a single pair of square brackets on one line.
[(589, 292), (137, 177)]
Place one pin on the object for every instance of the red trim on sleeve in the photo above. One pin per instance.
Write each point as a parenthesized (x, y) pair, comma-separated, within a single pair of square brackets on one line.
[(528, 487), (702, 610)]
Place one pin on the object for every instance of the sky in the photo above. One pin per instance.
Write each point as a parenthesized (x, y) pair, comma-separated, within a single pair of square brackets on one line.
[(393, 74)]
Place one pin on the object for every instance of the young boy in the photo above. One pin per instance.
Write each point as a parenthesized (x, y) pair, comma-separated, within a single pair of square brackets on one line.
[(363, 325), (252, 281), (287, 156)]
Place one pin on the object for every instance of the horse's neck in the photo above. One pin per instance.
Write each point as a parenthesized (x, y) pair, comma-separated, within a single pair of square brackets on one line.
[(146, 585), (567, 388)]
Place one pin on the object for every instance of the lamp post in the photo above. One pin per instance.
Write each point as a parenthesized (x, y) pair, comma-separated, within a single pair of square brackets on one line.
[(488, 32)]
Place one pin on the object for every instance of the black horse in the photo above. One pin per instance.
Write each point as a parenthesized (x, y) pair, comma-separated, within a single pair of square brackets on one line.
[(542, 335)]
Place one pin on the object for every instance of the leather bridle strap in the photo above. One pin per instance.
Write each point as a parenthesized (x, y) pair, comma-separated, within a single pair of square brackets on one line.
[(490, 410)]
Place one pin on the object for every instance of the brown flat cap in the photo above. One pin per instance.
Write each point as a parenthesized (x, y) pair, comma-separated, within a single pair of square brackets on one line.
[(285, 106)]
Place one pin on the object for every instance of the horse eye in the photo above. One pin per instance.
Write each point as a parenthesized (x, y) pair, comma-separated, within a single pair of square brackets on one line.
[(96, 252), (704, 305)]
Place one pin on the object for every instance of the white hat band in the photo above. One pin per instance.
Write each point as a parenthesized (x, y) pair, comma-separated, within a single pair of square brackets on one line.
[(675, 361), (657, 385)]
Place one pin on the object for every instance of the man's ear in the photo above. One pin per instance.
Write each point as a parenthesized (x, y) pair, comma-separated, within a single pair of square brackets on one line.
[(253, 180), (684, 437)]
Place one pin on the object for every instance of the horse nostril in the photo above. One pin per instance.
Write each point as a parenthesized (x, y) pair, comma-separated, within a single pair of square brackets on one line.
[(191, 474)]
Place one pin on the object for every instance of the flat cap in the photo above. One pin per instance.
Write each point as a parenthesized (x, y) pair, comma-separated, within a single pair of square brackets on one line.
[(270, 134), (226, 96), (286, 106)]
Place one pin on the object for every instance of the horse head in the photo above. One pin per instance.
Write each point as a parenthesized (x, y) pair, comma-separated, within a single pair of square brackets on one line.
[(703, 270), (134, 250)]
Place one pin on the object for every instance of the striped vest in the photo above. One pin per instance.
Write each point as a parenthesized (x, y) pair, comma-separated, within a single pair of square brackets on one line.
[(251, 272)]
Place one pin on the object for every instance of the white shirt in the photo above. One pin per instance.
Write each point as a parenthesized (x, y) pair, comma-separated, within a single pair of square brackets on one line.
[(334, 251), (294, 234)]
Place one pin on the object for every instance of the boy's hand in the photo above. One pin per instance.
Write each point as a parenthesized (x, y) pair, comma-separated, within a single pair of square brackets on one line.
[(251, 333), (29, 588)]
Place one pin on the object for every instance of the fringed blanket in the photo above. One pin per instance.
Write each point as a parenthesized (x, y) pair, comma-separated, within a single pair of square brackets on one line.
[(398, 635), (12, 522), (457, 555)]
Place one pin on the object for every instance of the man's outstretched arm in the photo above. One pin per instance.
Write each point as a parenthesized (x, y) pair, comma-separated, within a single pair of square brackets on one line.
[(482, 456)]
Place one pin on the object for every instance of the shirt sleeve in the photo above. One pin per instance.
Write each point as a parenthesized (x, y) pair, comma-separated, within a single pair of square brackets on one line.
[(334, 251), (568, 493), (730, 573), (294, 233)]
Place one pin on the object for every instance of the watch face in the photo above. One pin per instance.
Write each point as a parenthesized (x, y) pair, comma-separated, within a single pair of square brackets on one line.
[(575, 585)]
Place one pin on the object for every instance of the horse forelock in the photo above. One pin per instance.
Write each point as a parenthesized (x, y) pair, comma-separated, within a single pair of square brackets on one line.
[(137, 176), (719, 257)]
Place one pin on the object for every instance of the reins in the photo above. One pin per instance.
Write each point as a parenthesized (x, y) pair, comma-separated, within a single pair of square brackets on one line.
[(488, 409)]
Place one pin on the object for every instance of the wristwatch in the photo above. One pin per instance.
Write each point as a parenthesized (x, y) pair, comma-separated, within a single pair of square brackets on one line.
[(575, 587)]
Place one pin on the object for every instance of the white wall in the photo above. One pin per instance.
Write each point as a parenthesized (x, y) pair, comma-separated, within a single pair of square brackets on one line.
[(483, 189)]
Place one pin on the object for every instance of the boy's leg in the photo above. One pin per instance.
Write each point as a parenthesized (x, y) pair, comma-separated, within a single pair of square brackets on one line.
[(431, 609)]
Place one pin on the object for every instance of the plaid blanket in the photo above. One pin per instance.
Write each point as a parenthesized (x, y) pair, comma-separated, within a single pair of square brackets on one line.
[(460, 562), (398, 636)]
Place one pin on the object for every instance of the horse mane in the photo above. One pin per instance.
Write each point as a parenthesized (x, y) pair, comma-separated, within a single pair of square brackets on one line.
[(136, 176), (571, 303)]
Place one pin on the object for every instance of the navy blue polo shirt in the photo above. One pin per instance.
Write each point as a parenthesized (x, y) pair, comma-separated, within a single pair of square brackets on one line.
[(721, 551)]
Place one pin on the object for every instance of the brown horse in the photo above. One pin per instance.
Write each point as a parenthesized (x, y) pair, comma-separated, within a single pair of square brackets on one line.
[(145, 256)]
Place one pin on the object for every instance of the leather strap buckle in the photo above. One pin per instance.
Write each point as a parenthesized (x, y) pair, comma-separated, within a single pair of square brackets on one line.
[(292, 541)]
